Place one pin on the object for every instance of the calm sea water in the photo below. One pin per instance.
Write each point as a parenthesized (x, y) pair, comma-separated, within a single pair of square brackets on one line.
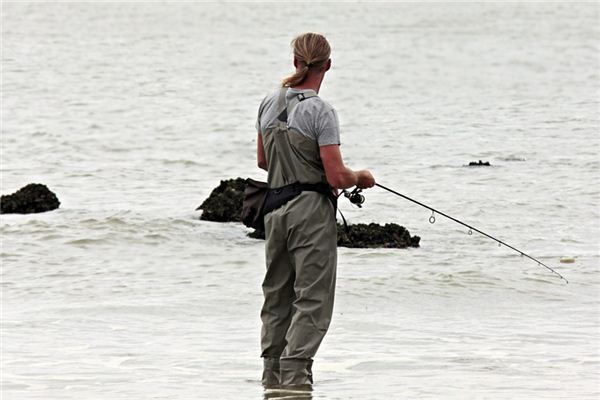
[(132, 113)]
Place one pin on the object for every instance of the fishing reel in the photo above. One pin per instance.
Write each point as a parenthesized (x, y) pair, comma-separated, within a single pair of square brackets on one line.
[(355, 197)]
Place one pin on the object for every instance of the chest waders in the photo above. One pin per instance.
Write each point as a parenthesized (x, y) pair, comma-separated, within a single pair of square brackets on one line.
[(301, 255)]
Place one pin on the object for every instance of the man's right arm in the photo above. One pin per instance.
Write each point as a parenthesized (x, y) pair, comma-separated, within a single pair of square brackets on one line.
[(338, 175)]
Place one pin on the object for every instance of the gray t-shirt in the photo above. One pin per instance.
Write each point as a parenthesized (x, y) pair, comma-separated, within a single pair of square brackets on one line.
[(313, 117)]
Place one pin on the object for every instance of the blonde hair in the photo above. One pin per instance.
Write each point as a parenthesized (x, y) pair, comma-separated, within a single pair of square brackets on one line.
[(312, 51)]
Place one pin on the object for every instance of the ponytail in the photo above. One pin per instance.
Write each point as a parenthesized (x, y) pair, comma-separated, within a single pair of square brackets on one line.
[(297, 78)]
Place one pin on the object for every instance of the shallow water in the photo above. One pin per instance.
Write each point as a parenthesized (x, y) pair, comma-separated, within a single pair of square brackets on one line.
[(133, 113)]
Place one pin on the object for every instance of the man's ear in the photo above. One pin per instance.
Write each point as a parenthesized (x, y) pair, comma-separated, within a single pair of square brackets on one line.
[(328, 65)]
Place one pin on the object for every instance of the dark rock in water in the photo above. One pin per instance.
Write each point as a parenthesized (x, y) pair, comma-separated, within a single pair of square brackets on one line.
[(225, 202), (33, 198), (479, 164), (256, 234), (368, 236), (375, 235), (225, 205)]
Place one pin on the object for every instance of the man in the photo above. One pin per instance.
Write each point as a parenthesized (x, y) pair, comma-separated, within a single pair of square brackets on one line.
[(298, 144)]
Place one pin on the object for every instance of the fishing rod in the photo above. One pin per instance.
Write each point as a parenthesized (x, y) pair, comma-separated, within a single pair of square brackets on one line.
[(357, 198)]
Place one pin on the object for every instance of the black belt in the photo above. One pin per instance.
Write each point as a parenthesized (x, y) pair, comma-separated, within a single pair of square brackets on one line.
[(277, 197)]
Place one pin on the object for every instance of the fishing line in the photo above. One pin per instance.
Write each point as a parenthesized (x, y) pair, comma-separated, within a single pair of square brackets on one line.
[(471, 229)]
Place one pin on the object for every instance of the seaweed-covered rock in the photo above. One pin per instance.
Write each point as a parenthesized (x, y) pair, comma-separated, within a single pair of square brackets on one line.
[(225, 202), (375, 235), (32, 198), (368, 236)]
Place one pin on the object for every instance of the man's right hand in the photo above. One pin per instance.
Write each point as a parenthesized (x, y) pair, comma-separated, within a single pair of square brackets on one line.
[(364, 179)]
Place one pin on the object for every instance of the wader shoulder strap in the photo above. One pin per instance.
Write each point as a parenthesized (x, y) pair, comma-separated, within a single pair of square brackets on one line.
[(281, 99), (306, 95), (285, 110)]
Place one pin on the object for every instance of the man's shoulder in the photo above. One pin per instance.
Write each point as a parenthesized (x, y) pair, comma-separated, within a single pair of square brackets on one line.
[(269, 100), (323, 106)]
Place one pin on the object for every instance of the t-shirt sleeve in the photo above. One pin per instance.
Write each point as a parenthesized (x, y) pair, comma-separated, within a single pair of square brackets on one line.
[(328, 128)]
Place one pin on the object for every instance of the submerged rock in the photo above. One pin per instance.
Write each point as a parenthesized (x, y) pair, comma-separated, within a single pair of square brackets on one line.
[(33, 198), (224, 204)]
